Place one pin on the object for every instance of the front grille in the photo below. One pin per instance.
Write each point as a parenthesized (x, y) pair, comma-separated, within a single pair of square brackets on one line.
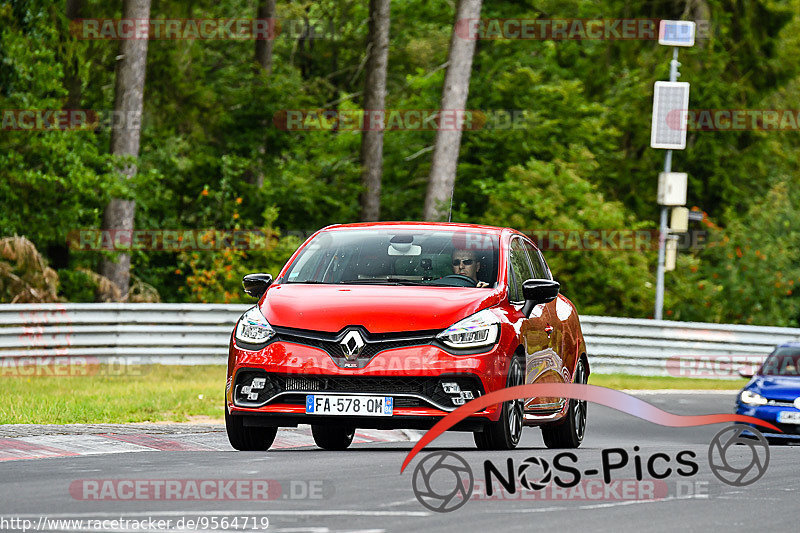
[(301, 384), (383, 385), (788, 429), (430, 389), (374, 343), (784, 403)]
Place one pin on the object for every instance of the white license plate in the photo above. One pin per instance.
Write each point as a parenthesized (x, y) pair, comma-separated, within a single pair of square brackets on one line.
[(789, 417), (335, 404)]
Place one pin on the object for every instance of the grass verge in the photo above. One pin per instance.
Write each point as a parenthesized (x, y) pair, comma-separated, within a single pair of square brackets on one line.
[(148, 393), (624, 381), (155, 393)]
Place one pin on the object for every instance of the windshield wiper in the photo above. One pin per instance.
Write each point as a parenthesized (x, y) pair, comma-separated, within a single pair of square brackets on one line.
[(384, 281), (368, 282), (407, 281)]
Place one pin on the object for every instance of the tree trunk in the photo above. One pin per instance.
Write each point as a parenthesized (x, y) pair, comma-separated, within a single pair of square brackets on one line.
[(72, 77), (266, 10), (300, 48), (374, 104), (454, 97), (128, 97)]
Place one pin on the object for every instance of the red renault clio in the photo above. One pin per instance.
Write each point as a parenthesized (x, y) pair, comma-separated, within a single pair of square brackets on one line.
[(394, 325)]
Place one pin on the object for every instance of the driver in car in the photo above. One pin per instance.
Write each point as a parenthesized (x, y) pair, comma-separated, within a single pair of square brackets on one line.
[(466, 264)]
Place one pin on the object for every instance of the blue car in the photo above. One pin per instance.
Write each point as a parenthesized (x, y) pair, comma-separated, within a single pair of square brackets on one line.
[(773, 393)]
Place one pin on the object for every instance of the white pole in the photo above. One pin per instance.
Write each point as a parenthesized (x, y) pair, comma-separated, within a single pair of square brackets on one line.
[(662, 240)]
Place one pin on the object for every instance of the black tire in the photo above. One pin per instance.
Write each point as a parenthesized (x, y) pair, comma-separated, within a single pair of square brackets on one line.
[(569, 432), (333, 437), (246, 438), (506, 432)]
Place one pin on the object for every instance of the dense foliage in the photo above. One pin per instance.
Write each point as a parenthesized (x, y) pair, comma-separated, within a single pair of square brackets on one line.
[(581, 160)]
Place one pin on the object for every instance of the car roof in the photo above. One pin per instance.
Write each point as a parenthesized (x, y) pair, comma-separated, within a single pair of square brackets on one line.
[(422, 225), (789, 345)]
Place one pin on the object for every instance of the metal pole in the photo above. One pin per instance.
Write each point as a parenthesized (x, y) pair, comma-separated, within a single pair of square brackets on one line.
[(658, 314), (662, 252)]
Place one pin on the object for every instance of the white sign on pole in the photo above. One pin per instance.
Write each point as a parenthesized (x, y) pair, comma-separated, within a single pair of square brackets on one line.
[(670, 111), (676, 33)]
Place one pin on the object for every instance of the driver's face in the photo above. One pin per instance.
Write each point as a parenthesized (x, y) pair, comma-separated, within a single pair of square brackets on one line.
[(464, 263)]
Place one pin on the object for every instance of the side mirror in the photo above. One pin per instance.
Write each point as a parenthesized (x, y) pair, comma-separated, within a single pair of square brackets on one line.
[(747, 371), (538, 291), (256, 284)]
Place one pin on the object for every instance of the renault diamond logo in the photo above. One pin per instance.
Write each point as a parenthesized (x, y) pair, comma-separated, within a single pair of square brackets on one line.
[(352, 344)]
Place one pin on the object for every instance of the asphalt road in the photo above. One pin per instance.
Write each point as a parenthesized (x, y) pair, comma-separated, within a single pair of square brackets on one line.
[(362, 489)]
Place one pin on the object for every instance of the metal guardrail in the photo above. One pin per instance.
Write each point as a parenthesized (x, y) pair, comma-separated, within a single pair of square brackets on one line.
[(663, 347), (120, 333), (199, 334)]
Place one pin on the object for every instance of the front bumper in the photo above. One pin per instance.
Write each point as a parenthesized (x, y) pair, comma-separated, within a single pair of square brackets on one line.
[(412, 376), (769, 413)]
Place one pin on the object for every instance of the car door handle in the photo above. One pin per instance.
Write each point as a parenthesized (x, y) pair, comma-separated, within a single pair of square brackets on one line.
[(548, 329)]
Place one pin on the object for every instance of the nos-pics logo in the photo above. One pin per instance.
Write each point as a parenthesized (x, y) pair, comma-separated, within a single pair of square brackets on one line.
[(443, 481)]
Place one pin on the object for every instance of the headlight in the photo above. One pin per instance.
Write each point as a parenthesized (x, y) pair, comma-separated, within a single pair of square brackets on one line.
[(752, 398), (480, 329), (253, 328)]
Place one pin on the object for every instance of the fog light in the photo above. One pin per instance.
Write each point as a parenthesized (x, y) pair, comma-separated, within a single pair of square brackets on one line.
[(467, 395), (245, 390), (253, 396), (451, 388), (258, 384), (458, 401)]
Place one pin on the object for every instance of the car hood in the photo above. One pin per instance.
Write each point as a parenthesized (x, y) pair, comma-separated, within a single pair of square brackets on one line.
[(785, 388), (380, 309)]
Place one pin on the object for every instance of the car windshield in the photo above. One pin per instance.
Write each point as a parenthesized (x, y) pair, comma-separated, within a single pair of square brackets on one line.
[(782, 362), (402, 256)]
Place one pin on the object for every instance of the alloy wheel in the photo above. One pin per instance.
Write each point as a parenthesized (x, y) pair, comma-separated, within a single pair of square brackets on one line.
[(515, 408), (580, 405)]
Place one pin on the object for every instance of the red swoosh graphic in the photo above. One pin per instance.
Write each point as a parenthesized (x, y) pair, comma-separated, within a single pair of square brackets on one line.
[(591, 393)]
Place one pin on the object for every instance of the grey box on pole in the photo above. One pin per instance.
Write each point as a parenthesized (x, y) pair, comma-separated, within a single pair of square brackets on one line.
[(670, 112), (672, 188)]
